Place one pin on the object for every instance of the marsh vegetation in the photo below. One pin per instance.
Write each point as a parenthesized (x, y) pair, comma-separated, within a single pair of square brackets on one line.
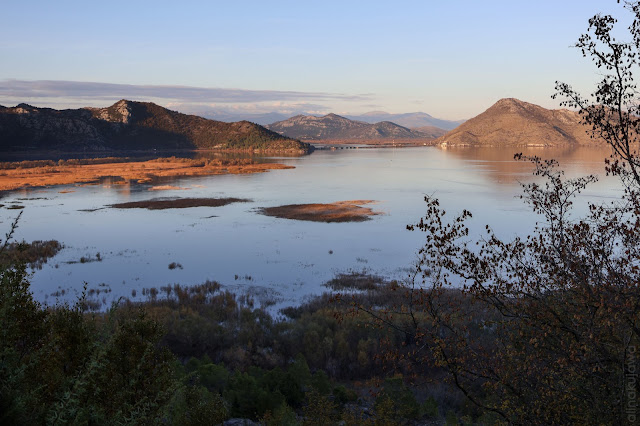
[(33, 254), (199, 355)]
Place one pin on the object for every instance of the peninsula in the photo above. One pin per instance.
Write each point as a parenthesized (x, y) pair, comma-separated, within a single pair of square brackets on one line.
[(131, 126)]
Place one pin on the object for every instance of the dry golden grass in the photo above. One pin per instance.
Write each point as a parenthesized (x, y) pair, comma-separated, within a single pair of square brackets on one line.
[(340, 211), (142, 171)]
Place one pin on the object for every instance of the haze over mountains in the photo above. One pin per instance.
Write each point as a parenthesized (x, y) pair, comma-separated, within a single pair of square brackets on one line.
[(332, 126), (409, 120), (262, 119), (129, 125), (512, 122)]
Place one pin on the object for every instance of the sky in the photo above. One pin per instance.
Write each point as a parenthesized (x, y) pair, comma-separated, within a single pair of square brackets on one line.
[(449, 58)]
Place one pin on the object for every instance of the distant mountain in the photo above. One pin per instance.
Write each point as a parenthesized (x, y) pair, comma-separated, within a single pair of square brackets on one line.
[(511, 122), (332, 126), (129, 125), (430, 132), (262, 119), (410, 120)]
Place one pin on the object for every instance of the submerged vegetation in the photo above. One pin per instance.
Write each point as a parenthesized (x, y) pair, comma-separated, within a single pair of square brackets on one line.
[(175, 265), (87, 259), (33, 254)]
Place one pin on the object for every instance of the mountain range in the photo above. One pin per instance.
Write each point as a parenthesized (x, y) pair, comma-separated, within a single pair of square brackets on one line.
[(229, 116), (332, 126), (129, 125), (409, 120), (512, 122)]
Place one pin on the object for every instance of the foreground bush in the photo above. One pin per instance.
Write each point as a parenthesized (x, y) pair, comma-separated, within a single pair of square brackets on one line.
[(60, 366)]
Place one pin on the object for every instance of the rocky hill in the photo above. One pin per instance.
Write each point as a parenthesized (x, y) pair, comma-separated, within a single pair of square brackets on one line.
[(511, 122), (128, 125), (332, 126)]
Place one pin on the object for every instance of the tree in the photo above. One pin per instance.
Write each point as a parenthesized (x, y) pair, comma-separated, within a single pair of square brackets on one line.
[(544, 328), (612, 111), (60, 365)]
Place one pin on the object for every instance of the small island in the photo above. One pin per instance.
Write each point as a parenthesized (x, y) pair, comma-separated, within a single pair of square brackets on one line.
[(178, 203), (339, 211)]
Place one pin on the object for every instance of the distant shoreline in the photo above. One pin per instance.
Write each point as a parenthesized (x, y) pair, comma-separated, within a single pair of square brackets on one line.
[(321, 144), (142, 154)]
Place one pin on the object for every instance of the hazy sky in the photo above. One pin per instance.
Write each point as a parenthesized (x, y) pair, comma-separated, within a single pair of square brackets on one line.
[(449, 58)]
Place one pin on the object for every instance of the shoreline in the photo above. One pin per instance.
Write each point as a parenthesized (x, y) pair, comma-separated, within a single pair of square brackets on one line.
[(324, 144), (14, 156)]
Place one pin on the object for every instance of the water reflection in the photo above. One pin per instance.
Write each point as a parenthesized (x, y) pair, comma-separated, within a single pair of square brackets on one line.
[(286, 259), (504, 169)]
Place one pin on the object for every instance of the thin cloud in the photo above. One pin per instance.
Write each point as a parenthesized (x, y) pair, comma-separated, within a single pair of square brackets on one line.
[(46, 89), (250, 108)]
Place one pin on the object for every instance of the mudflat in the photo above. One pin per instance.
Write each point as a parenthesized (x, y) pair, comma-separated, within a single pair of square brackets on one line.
[(339, 211), (17, 176), (178, 203)]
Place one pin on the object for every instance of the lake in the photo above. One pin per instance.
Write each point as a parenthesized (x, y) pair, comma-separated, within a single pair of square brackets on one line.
[(278, 260)]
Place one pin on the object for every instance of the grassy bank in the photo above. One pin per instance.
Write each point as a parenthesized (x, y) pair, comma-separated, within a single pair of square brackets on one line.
[(65, 172)]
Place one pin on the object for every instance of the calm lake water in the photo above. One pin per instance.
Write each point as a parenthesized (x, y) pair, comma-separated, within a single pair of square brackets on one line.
[(271, 258)]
